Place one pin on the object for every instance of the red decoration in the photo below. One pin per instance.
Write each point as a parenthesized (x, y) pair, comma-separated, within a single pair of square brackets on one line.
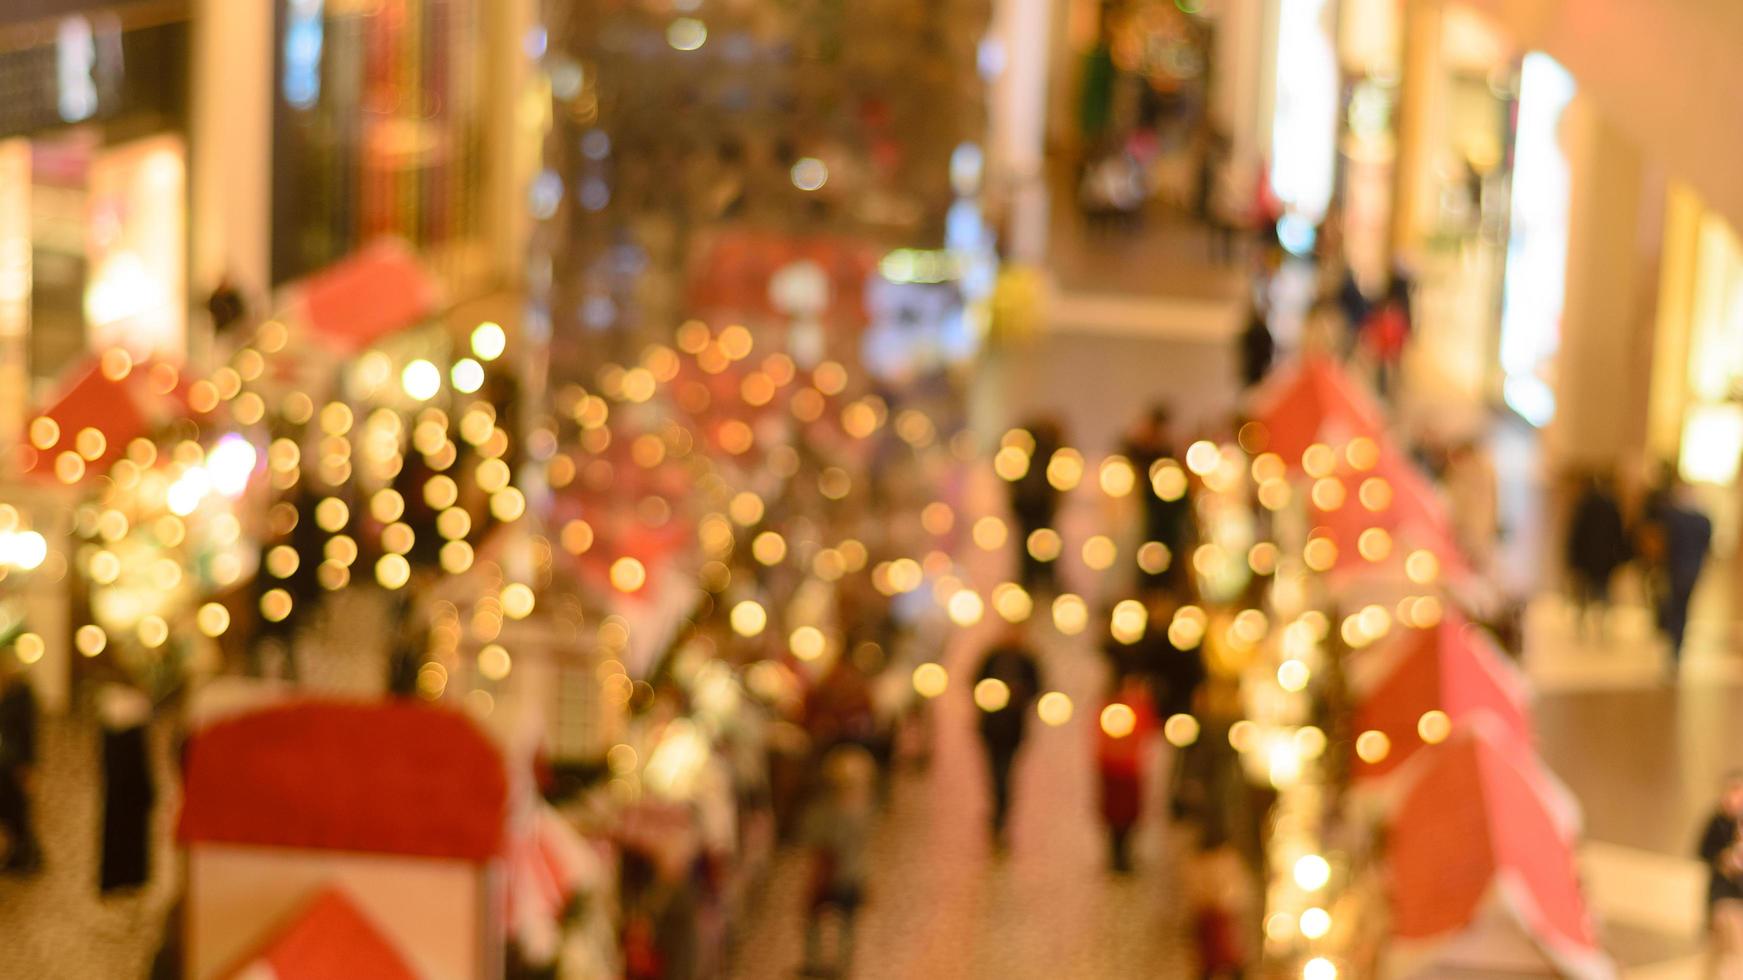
[(1452, 668), (392, 778), (1475, 815), (1317, 402), (377, 291), (330, 937)]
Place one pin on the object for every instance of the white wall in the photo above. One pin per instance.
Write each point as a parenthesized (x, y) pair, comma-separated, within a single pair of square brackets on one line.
[(239, 896)]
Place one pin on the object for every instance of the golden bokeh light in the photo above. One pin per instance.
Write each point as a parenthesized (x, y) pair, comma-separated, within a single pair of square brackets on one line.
[(1099, 552), (991, 694), (1070, 614), (1118, 720), (628, 574), (749, 618), (392, 571), (1180, 730), (1054, 708), (1011, 464), (90, 639), (1434, 726), (930, 680), (989, 533), (807, 643), (1117, 476), (965, 607), (494, 662), (1044, 544), (1373, 747)]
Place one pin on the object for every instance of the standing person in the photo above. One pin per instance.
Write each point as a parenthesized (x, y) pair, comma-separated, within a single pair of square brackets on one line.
[(1002, 726), (1386, 331), (129, 792), (836, 832), (1597, 544), (1035, 503), (1258, 348), (1686, 535), (1119, 758), (1721, 849), (226, 306), (22, 853), (1168, 522)]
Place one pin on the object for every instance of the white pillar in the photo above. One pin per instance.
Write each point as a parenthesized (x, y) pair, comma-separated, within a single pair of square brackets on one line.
[(230, 132), (1022, 29), (1243, 73)]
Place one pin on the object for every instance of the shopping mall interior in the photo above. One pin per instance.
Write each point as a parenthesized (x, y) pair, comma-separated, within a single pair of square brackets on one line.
[(677, 489)]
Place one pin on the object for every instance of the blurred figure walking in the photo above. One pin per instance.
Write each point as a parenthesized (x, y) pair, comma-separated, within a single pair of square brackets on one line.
[(1126, 722), (1597, 545), (1721, 849), (836, 832), (1005, 686), (1684, 535), (1258, 348), (1168, 522), (19, 851), (1035, 502)]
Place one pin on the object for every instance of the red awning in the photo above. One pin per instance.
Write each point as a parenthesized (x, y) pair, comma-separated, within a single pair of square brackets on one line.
[(329, 937), (377, 291), (1454, 668), (1409, 510), (147, 397), (390, 778), (1316, 402), (1473, 820)]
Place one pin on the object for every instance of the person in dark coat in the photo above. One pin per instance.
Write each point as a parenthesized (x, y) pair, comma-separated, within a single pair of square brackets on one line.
[(1686, 535), (1258, 348), (1011, 663), (1597, 545), (1166, 521), (1718, 848), (1035, 503), (129, 791), (22, 854)]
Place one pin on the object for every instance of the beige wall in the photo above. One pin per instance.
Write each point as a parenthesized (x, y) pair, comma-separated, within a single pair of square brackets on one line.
[(1666, 72), (1604, 369), (433, 909)]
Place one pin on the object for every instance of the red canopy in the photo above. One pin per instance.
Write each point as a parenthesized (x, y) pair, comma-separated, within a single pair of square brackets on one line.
[(1475, 819), (389, 778), (1411, 512), (1317, 402), (330, 937), (148, 396), (376, 291), (1452, 667)]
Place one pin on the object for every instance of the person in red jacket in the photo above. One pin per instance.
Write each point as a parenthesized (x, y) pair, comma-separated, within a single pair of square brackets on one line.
[(1122, 735)]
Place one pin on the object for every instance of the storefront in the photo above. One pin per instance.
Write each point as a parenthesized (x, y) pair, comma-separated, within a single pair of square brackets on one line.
[(1455, 161), (93, 213), (379, 130)]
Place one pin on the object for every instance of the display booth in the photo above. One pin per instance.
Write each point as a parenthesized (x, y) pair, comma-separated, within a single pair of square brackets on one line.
[(1452, 668), (1315, 402), (1483, 875), (402, 807)]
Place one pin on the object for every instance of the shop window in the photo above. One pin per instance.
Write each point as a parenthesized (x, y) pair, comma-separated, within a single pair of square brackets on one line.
[(378, 132)]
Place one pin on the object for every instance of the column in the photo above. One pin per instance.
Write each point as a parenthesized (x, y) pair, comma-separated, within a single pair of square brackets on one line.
[(1604, 368), (1019, 122), (230, 132)]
